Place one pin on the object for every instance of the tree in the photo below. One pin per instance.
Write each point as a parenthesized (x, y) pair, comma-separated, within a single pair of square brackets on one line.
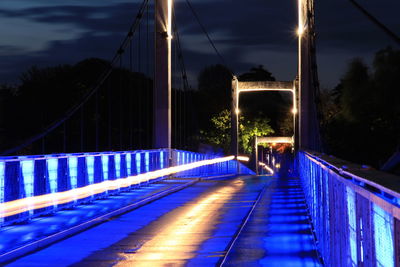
[(364, 125), (258, 126), (257, 74), (116, 117), (273, 104), (356, 97), (220, 135)]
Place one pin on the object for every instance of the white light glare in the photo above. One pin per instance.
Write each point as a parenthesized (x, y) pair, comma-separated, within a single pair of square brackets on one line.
[(243, 158), (300, 30)]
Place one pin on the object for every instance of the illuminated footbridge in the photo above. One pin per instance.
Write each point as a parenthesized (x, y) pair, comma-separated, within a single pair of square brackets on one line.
[(132, 209), (171, 207)]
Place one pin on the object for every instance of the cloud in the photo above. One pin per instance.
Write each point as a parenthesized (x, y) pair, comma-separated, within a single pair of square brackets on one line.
[(247, 33)]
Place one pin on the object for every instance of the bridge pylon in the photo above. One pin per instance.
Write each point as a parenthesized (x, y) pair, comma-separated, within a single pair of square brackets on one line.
[(308, 85), (162, 74)]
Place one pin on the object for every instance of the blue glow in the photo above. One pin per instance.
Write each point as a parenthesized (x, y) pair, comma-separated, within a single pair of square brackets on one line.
[(147, 160), (161, 159), (28, 173), (351, 213), (73, 171), (52, 168), (383, 235), (2, 170), (104, 163), (90, 168), (138, 163), (128, 161), (117, 159), (2, 174)]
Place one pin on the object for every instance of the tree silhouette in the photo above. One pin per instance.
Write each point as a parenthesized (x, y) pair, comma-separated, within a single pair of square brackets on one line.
[(365, 125)]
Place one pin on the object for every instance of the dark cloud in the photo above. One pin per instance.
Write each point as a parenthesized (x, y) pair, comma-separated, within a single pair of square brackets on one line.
[(240, 30), (114, 17)]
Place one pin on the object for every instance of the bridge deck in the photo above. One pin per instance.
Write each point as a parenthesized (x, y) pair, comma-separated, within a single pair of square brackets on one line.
[(196, 226)]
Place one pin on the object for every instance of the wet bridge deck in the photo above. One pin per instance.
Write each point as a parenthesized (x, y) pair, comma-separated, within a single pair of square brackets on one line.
[(245, 221)]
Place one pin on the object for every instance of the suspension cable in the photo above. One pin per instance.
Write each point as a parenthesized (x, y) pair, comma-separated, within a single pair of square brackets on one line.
[(390, 33), (221, 58)]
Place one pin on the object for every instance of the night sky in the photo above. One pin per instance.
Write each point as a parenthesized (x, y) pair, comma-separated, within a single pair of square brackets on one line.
[(247, 33)]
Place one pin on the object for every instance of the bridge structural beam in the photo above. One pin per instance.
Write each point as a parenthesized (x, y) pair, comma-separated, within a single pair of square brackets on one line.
[(162, 74), (265, 86), (276, 139)]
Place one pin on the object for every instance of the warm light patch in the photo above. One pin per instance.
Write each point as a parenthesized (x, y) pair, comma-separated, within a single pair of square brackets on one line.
[(177, 241)]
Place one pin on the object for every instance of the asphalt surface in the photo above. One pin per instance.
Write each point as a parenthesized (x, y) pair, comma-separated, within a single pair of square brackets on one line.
[(201, 225)]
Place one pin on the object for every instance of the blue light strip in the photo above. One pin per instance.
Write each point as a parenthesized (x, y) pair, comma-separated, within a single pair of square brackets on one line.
[(90, 169), (147, 160), (128, 159), (104, 163), (73, 171), (2, 175), (161, 160), (117, 159), (52, 168), (28, 174), (138, 163)]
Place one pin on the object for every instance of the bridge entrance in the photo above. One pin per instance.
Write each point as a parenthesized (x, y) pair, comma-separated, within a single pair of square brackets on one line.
[(239, 87)]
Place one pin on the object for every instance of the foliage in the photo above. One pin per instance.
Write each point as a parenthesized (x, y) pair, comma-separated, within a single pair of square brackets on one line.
[(258, 126), (362, 115), (257, 74), (105, 122), (220, 133)]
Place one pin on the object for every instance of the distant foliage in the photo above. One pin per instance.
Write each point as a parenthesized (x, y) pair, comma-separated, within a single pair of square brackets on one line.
[(362, 114), (220, 133)]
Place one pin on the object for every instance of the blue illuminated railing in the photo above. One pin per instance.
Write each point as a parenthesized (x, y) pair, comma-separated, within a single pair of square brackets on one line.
[(67, 175), (356, 219)]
